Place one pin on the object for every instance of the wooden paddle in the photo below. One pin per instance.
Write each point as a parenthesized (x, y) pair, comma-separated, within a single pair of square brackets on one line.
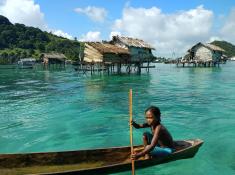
[(131, 135)]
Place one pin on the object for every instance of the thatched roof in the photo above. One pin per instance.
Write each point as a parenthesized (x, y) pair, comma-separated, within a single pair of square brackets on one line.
[(58, 56), (186, 57), (209, 46), (213, 47), (132, 42), (108, 48)]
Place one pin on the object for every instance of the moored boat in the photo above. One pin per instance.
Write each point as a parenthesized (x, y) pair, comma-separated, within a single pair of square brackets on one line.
[(232, 59), (84, 162), (26, 63)]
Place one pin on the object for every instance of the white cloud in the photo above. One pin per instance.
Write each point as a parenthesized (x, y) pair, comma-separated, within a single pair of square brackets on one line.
[(228, 30), (94, 13), (214, 38), (169, 33), (62, 34), (24, 11), (29, 13), (91, 36)]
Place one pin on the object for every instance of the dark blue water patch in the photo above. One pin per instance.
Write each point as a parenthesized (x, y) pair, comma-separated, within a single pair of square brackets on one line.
[(62, 136), (5, 126), (23, 94), (232, 162), (88, 129)]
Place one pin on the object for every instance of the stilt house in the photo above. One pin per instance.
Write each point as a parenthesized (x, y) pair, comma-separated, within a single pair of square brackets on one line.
[(97, 52), (203, 53), (53, 58), (140, 51)]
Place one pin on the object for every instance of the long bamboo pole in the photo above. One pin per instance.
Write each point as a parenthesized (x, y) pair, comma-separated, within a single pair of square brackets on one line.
[(131, 134)]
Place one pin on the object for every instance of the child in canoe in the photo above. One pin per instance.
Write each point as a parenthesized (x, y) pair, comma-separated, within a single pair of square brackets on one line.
[(157, 143)]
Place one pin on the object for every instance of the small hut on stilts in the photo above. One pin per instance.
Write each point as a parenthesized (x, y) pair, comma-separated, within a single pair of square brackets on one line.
[(121, 54), (202, 55), (140, 51), (100, 57), (53, 60)]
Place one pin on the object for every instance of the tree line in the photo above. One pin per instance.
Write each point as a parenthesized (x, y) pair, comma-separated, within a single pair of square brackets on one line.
[(19, 41), (228, 47)]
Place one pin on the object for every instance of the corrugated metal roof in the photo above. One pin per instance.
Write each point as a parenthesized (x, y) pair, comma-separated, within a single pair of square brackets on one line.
[(133, 42)]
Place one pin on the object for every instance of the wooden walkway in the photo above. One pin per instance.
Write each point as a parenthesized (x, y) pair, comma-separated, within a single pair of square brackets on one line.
[(112, 68), (196, 63)]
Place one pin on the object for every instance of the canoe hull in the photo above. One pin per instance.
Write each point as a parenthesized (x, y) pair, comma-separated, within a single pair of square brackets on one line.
[(185, 154), (86, 162)]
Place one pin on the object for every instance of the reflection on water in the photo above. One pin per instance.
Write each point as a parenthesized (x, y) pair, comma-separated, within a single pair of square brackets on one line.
[(102, 91)]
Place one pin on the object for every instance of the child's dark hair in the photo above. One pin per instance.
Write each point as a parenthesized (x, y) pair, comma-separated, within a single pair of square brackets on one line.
[(155, 111)]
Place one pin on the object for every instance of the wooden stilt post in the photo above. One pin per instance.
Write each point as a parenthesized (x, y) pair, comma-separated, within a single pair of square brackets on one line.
[(148, 67), (90, 68), (108, 67)]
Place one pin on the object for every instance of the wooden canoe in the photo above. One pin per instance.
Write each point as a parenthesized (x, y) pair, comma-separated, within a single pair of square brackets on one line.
[(83, 162)]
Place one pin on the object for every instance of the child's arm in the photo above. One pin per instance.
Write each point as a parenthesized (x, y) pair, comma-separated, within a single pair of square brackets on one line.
[(137, 126), (151, 146)]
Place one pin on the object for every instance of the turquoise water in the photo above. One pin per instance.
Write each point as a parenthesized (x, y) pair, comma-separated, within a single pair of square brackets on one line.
[(43, 110)]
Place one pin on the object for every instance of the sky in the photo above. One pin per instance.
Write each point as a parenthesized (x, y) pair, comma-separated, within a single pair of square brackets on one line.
[(170, 26)]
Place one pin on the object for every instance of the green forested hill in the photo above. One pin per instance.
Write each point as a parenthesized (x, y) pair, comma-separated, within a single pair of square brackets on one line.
[(228, 47), (19, 41)]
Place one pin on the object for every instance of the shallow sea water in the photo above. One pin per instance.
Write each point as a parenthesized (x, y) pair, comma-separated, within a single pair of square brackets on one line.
[(57, 110)]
